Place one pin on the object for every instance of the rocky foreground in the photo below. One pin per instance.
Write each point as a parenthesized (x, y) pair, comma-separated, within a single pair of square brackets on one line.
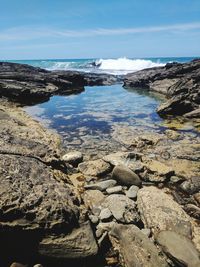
[(136, 207), (179, 82)]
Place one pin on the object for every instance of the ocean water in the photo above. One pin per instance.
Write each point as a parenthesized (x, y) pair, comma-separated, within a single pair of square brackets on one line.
[(110, 65)]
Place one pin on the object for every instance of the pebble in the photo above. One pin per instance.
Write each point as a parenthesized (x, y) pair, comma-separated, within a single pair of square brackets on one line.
[(105, 214), (93, 218), (101, 185), (132, 192), (115, 189)]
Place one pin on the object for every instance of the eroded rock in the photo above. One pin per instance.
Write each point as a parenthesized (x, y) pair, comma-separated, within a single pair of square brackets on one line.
[(135, 248), (179, 248)]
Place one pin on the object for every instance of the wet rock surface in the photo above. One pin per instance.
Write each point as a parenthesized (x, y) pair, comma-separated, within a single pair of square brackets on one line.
[(180, 82)]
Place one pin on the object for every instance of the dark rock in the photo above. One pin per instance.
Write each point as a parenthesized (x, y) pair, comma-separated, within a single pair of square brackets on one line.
[(124, 176), (179, 248), (135, 248), (28, 85), (179, 82)]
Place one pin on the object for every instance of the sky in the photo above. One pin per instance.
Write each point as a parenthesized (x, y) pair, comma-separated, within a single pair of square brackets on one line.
[(50, 29)]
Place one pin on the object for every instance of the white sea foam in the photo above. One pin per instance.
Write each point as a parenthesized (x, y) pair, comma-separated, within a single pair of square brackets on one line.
[(112, 66), (126, 65)]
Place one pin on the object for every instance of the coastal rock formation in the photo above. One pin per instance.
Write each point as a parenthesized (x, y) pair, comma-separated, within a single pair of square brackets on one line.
[(28, 85), (37, 204), (179, 82)]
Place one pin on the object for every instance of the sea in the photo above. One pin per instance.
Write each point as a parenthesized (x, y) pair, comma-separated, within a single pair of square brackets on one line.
[(116, 66)]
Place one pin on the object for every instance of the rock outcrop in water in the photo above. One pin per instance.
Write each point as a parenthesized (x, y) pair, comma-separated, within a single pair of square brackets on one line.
[(27, 85), (179, 82)]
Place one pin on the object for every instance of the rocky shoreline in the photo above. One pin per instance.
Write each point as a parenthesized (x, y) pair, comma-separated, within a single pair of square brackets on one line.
[(136, 207)]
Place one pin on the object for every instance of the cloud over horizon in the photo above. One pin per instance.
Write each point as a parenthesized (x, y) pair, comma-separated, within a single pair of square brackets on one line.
[(31, 33)]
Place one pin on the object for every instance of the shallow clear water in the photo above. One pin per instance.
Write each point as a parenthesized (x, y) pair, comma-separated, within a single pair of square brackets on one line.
[(94, 113)]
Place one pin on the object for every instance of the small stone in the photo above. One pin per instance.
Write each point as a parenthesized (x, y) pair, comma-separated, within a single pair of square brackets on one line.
[(115, 189), (179, 248), (93, 198), (105, 214), (122, 208), (175, 179), (146, 231), (132, 192), (93, 218), (101, 185), (124, 176), (73, 158), (99, 232)]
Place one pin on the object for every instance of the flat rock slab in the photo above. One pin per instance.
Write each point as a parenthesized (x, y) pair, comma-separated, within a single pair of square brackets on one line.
[(160, 212), (179, 248), (135, 248), (21, 135), (94, 168)]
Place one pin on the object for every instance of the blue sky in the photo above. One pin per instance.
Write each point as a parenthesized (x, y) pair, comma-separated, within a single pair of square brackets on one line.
[(42, 29)]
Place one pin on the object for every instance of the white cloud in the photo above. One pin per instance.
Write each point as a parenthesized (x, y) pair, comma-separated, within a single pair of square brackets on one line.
[(25, 33)]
